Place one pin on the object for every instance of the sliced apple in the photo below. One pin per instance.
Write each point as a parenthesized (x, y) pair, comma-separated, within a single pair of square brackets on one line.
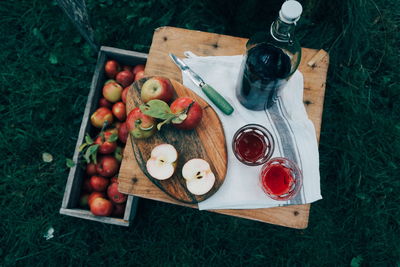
[(199, 177), (162, 162)]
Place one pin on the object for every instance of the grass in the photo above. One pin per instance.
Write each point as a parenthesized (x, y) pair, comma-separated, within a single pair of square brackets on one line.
[(45, 75)]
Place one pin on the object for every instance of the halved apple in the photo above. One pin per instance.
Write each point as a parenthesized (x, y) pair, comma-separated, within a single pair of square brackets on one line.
[(199, 177), (162, 162)]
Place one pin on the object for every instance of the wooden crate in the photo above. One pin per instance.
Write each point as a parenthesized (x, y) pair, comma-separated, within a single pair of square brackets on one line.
[(70, 204)]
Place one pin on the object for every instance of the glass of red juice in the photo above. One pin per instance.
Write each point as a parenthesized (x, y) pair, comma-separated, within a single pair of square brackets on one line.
[(253, 144), (281, 179)]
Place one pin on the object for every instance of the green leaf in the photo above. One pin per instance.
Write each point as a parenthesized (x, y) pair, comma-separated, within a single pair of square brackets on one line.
[(157, 109), (92, 150), (70, 163), (81, 147), (356, 261), (53, 58), (88, 139), (113, 137), (94, 158), (47, 157)]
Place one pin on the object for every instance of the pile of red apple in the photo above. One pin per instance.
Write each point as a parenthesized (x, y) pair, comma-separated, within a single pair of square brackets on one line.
[(103, 151), (157, 93)]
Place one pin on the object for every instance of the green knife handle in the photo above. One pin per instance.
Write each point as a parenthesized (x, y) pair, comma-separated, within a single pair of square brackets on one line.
[(217, 99)]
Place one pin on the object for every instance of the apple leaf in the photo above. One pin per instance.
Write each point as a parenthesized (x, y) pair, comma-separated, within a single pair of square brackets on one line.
[(47, 157), (70, 163), (157, 109), (82, 147), (113, 138), (88, 139), (92, 150)]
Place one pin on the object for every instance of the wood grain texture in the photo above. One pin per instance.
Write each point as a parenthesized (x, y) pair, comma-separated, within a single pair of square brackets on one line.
[(207, 142), (175, 40)]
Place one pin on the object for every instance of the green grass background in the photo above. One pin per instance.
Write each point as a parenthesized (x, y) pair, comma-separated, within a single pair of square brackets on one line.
[(45, 74)]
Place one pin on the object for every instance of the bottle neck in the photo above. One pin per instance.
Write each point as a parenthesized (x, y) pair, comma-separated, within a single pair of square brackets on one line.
[(283, 32)]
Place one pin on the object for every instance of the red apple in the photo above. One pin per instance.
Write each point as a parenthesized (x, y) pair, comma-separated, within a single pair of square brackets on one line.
[(98, 183), (101, 207), (119, 111), (137, 68), (91, 169), (126, 67), (106, 146), (124, 94), (83, 201), (112, 91), (119, 210), (107, 166), (111, 68), (100, 116), (125, 78), (95, 195), (140, 125), (86, 187), (194, 114), (105, 103), (123, 132), (157, 88), (114, 195), (139, 75)]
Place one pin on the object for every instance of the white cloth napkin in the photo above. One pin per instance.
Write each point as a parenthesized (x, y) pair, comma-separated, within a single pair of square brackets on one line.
[(287, 120)]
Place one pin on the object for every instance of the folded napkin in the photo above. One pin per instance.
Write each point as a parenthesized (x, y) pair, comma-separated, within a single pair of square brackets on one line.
[(287, 120)]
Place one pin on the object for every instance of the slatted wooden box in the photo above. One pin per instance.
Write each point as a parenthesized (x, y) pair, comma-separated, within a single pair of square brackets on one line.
[(70, 204)]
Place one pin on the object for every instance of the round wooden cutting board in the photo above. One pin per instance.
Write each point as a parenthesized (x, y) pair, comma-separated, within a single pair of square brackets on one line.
[(207, 142)]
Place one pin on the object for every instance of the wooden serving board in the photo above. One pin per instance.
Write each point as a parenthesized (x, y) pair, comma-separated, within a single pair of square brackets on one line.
[(206, 141)]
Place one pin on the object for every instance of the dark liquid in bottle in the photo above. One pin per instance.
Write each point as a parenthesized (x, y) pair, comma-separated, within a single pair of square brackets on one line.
[(264, 71)]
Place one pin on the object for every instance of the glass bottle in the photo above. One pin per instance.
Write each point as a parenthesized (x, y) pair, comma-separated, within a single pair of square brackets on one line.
[(271, 58)]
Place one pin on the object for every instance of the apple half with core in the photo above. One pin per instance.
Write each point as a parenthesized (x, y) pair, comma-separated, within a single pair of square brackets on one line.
[(157, 88), (198, 175), (162, 162), (140, 125)]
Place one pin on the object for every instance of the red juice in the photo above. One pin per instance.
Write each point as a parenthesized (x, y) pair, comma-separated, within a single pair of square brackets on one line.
[(278, 180), (250, 146), (253, 144), (281, 178)]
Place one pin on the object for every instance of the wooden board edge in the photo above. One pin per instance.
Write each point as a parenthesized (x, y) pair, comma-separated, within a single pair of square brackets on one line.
[(299, 221), (159, 30), (73, 181), (85, 214)]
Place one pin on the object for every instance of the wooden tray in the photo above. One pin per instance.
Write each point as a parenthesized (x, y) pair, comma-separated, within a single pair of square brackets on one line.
[(207, 141), (70, 205)]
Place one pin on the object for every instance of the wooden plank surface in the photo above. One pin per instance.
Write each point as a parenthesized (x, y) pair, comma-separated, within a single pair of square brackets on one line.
[(175, 40), (207, 142)]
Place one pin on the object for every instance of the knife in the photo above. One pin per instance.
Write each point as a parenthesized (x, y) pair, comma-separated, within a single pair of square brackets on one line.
[(210, 92)]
